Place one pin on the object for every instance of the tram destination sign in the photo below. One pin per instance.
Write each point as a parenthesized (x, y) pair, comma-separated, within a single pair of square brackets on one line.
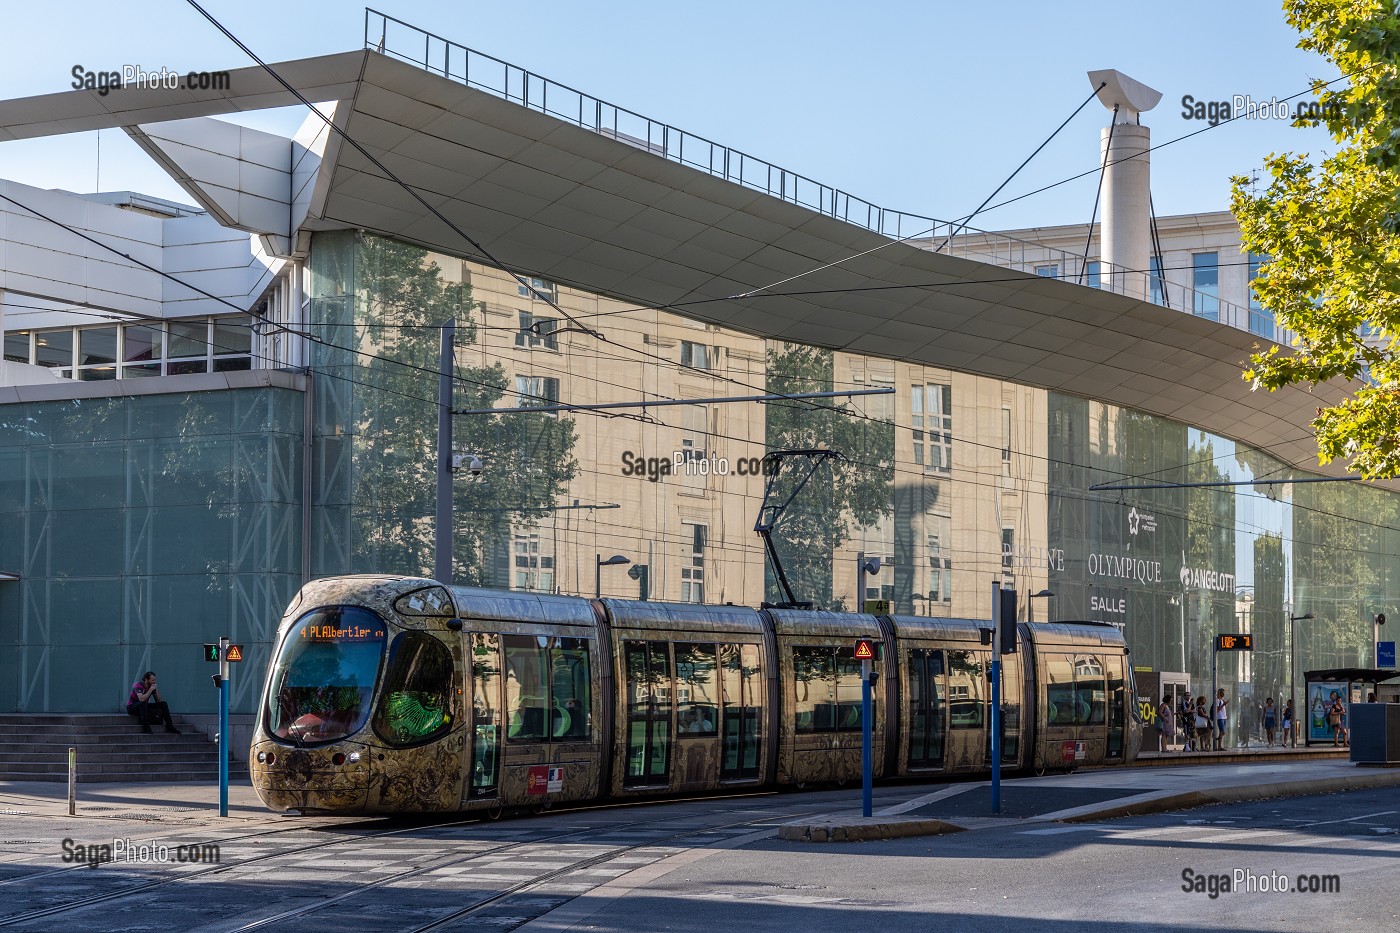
[(1234, 642)]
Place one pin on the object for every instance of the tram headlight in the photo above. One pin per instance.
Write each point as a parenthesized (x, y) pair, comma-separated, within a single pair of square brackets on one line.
[(338, 758), (354, 757)]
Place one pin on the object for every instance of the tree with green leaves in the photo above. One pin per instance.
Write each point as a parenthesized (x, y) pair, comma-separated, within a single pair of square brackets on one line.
[(405, 298), (857, 488), (1331, 233)]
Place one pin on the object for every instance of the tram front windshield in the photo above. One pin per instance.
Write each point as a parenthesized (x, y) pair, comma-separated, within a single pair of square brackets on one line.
[(323, 680)]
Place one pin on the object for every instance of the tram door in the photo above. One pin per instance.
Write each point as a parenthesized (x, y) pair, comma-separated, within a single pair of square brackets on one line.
[(743, 707), (649, 694), (927, 729), (485, 768)]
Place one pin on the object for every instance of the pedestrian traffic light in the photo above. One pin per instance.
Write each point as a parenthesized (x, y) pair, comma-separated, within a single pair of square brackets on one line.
[(1008, 622), (211, 653)]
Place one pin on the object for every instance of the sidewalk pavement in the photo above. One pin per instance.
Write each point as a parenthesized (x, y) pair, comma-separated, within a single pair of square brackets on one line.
[(1079, 797), (1093, 795), (165, 802)]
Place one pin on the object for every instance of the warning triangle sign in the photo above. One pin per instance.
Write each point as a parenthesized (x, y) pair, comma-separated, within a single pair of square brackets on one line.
[(865, 651), (235, 652)]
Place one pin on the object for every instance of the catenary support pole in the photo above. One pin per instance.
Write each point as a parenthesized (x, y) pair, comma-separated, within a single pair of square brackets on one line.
[(997, 623), (442, 527)]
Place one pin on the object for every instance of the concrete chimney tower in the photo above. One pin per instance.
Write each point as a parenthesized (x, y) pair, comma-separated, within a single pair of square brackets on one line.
[(1126, 242)]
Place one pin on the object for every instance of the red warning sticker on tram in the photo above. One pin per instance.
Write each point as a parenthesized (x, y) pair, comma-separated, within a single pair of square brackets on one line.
[(537, 781), (865, 649)]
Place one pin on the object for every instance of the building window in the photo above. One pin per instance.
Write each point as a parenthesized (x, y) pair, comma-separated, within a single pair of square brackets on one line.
[(537, 332), (536, 391), (54, 349), (17, 347), (1008, 547), (143, 347), (1159, 282), (940, 578), (1261, 321), (538, 289), (932, 406), (1093, 274), (1051, 271), (1205, 280), (696, 355), (534, 571), (1006, 435), (97, 353), (693, 565)]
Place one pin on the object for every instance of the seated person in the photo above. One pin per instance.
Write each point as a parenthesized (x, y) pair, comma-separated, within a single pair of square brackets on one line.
[(145, 703), (699, 721)]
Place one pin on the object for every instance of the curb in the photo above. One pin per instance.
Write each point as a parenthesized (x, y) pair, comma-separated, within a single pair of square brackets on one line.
[(861, 831)]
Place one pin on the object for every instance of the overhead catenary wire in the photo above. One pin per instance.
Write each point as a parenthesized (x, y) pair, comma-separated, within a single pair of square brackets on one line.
[(1098, 192), (518, 278), (524, 281), (962, 224)]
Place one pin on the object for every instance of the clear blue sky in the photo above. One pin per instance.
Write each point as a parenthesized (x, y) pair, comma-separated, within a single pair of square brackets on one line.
[(923, 107)]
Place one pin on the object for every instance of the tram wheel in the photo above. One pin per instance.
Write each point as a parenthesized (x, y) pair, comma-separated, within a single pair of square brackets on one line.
[(495, 813)]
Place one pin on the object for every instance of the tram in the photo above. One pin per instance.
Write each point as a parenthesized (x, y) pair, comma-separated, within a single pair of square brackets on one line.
[(397, 694)]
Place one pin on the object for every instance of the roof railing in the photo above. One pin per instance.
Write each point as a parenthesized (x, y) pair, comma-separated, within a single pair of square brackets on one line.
[(397, 39)]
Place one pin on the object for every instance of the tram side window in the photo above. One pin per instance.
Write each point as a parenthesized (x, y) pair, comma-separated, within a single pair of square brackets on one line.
[(1090, 698), (548, 693), (848, 691), (416, 705), (1060, 702), (814, 679), (697, 689), (966, 675), (571, 703), (527, 690)]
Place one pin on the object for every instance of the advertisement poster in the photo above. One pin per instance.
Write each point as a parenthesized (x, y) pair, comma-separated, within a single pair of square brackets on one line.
[(1320, 696)]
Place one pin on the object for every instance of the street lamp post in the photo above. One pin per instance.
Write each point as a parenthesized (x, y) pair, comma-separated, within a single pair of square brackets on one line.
[(599, 564), (1293, 673), (864, 565), (1030, 606)]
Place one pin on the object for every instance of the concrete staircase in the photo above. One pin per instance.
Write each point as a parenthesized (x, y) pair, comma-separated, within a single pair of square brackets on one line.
[(111, 748)]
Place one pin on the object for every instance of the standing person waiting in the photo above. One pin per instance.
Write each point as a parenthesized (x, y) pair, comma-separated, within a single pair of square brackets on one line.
[(1222, 708), (1166, 724), (1269, 720), (1290, 736), (146, 703)]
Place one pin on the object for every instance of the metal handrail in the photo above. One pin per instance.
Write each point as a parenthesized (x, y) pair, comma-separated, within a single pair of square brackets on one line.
[(515, 84)]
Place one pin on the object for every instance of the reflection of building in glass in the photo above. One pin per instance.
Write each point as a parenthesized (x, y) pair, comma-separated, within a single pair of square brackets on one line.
[(196, 461)]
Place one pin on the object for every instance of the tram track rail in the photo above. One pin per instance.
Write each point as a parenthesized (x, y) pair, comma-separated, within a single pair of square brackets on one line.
[(169, 881), (156, 883)]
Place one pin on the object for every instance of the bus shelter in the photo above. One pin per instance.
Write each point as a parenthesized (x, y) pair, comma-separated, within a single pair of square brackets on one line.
[(1350, 684)]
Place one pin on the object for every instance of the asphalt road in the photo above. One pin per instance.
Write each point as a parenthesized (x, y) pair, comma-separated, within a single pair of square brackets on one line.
[(712, 865)]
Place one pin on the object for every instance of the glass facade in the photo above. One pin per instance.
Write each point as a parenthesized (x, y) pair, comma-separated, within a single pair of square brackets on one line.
[(146, 525), (953, 479), (143, 527)]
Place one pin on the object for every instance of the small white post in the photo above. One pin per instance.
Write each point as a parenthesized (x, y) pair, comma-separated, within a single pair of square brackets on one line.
[(72, 781)]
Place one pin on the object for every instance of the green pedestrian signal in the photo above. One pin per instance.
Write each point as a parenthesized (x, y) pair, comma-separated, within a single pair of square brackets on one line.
[(211, 653)]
